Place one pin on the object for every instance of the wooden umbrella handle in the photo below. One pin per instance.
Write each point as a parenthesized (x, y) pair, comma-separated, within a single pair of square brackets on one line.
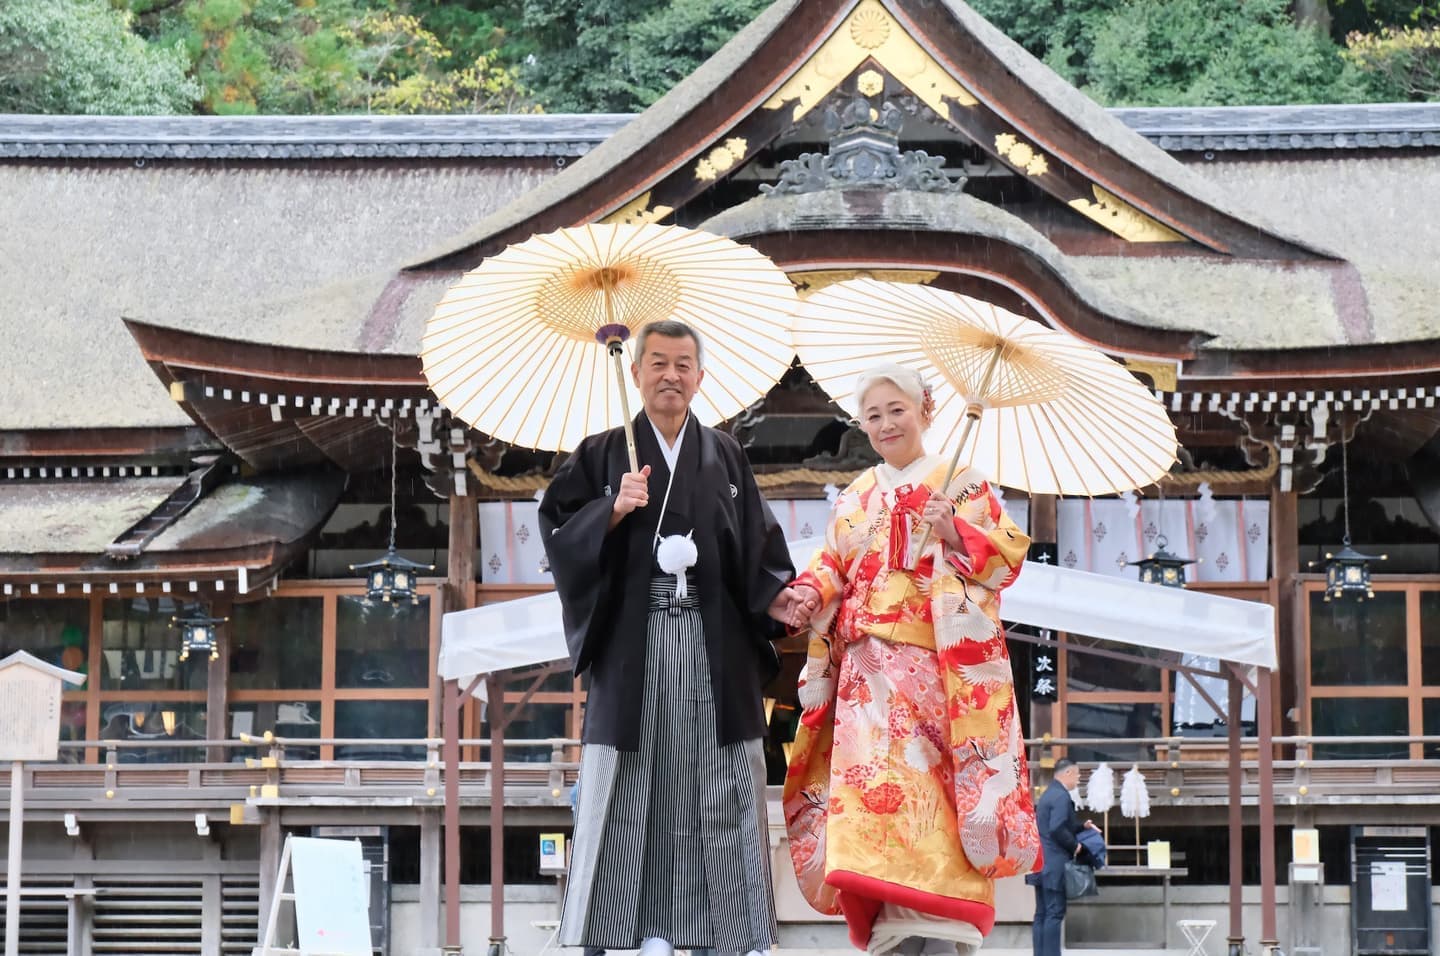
[(616, 348)]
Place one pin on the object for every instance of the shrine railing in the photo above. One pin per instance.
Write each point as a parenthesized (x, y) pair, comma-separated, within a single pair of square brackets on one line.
[(260, 772)]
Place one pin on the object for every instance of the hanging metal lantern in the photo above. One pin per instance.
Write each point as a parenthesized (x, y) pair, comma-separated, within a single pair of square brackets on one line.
[(197, 633), (1162, 567), (392, 577), (1347, 571)]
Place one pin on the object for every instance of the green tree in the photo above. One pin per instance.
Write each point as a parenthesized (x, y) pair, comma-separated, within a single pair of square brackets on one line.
[(80, 56), (1401, 63), (1215, 53), (324, 56), (1193, 52), (1059, 32), (472, 29), (622, 55)]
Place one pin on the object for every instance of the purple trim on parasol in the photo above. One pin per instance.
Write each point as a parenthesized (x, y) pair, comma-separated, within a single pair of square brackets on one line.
[(612, 333)]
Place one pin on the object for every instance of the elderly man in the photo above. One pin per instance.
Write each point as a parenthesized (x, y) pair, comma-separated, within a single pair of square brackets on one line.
[(1059, 832), (669, 577)]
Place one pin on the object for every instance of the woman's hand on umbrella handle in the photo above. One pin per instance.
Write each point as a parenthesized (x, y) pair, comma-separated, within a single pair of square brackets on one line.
[(634, 492), (939, 514)]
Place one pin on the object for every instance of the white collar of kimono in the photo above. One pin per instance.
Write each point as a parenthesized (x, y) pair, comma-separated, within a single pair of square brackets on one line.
[(671, 453), (889, 478)]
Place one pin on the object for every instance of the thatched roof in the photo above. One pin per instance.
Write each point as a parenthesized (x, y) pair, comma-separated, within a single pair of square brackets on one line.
[(1381, 213), (294, 254), (75, 517), (73, 521)]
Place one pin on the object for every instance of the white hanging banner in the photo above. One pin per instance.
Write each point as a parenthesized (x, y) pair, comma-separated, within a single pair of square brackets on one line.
[(1230, 539), (510, 550)]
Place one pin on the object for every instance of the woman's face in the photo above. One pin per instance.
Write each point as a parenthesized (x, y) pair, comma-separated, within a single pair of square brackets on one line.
[(892, 423)]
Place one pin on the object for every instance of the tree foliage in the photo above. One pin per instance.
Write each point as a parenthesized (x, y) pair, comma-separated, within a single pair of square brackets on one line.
[(1215, 53), (338, 56), (1229, 52), (325, 56), (622, 55), (81, 56), (1403, 62)]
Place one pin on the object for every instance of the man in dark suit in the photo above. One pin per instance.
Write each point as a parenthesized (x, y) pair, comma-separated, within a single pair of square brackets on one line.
[(1059, 826)]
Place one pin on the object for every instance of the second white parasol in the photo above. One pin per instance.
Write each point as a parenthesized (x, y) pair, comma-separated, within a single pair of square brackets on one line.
[(1033, 408)]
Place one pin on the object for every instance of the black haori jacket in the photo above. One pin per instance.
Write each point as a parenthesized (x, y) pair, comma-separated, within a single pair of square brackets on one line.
[(603, 579)]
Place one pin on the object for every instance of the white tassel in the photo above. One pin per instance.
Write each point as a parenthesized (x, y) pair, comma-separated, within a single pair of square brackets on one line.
[(1100, 789), (1134, 798), (676, 553)]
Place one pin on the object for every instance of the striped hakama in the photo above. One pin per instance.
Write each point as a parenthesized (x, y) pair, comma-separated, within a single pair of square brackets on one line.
[(671, 841)]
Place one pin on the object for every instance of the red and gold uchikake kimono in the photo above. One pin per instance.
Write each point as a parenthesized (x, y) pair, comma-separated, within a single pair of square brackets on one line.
[(908, 791)]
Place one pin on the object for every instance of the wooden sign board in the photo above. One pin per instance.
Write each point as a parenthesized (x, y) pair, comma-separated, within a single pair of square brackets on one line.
[(30, 707)]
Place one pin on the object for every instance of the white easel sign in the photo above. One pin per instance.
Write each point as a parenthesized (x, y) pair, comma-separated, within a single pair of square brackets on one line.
[(331, 896)]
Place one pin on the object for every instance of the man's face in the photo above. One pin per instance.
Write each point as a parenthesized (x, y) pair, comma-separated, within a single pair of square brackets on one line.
[(668, 374), (1069, 777)]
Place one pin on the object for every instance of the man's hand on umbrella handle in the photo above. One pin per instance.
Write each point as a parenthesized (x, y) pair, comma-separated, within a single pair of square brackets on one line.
[(940, 515), (634, 493)]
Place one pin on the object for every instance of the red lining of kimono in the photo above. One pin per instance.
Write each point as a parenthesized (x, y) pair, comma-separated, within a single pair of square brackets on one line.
[(860, 898)]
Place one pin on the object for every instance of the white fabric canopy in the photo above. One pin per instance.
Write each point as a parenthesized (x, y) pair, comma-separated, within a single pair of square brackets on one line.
[(528, 631)]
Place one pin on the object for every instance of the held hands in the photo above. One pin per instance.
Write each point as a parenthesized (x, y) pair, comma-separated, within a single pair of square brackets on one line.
[(794, 606), (939, 514)]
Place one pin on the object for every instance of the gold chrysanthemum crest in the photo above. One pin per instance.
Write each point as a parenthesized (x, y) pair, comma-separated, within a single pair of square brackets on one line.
[(870, 29)]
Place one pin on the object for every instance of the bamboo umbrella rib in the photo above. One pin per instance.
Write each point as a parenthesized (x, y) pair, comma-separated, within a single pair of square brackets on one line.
[(499, 385), (535, 420)]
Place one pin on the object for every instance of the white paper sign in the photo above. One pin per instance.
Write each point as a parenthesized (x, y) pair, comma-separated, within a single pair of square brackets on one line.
[(332, 898), (1387, 886)]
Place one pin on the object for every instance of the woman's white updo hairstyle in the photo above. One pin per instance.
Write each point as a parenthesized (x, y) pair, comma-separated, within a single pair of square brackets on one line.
[(907, 380)]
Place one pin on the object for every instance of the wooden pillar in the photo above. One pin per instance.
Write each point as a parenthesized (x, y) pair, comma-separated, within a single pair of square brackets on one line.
[(1265, 730), (217, 692), (429, 881), (1236, 939), (272, 842), (460, 595), (212, 906), (1285, 561)]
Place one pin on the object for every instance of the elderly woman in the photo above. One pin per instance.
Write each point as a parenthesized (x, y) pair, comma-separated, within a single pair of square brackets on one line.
[(907, 792)]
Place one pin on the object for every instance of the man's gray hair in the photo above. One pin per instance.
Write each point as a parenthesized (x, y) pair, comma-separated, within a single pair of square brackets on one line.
[(671, 329), (906, 379)]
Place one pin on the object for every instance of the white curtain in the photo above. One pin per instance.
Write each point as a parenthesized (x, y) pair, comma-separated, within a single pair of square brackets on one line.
[(511, 553), (510, 549), (1230, 538)]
